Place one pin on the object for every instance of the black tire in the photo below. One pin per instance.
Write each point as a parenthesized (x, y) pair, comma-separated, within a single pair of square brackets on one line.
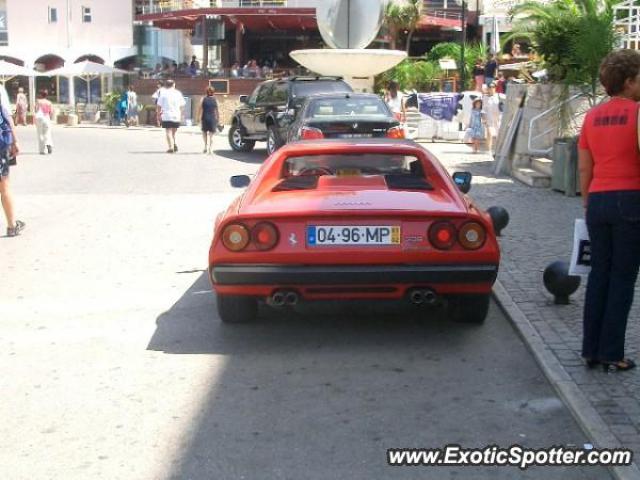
[(273, 140), (237, 141), (236, 308), (469, 308)]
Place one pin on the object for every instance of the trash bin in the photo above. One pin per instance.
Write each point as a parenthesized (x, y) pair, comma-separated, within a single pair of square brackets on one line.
[(564, 174)]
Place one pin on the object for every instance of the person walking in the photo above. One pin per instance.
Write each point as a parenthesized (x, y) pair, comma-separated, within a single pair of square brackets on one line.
[(476, 125), (132, 107), (610, 186), (8, 149), (209, 116), (43, 116), (22, 105), (155, 97), (394, 100), (478, 75), (491, 109), (490, 70), (170, 107)]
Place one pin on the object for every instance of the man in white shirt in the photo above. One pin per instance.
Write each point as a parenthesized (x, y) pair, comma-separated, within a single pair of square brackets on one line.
[(491, 109), (170, 108)]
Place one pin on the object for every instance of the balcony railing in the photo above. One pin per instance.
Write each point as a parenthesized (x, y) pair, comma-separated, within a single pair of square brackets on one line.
[(161, 6)]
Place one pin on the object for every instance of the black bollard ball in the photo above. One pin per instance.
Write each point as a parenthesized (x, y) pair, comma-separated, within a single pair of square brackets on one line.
[(559, 283), (499, 218)]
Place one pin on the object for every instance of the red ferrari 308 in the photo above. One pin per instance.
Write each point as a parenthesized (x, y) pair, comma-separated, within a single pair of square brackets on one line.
[(353, 219)]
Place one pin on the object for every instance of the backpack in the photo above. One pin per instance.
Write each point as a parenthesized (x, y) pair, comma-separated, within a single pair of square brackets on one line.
[(6, 137)]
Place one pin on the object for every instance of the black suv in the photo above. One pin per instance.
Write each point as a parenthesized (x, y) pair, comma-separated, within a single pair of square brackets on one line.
[(272, 108)]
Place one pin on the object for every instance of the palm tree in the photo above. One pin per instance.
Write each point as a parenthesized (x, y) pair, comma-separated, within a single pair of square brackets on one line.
[(393, 17), (532, 12), (412, 12), (403, 17)]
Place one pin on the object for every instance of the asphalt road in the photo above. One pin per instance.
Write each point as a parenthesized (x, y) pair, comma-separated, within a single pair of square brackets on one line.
[(114, 365)]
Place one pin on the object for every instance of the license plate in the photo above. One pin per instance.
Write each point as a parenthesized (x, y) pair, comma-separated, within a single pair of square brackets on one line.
[(318, 235), (355, 135)]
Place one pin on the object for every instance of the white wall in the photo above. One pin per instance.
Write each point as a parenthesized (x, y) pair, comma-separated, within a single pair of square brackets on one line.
[(109, 34)]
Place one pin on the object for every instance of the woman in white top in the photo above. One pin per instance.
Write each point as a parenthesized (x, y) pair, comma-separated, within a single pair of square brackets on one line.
[(394, 100)]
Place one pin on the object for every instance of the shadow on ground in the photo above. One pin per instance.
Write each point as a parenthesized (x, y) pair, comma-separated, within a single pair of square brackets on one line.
[(322, 393), (255, 156)]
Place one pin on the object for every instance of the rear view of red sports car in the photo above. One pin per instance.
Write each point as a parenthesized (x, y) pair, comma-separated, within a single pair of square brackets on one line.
[(344, 219)]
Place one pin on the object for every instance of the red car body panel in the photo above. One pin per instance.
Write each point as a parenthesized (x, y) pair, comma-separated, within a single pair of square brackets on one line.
[(359, 271)]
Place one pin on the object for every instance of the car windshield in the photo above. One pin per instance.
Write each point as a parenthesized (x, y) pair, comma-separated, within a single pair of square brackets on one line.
[(305, 88), (352, 165), (338, 107)]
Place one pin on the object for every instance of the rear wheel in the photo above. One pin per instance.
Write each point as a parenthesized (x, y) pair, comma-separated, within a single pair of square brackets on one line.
[(273, 140), (237, 140), (469, 308), (236, 308)]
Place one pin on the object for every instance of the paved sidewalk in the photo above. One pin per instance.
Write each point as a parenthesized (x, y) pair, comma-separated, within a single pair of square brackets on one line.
[(541, 231)]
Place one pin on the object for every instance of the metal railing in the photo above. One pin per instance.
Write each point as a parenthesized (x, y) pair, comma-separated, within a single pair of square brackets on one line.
[(542, 143), (162, 6)]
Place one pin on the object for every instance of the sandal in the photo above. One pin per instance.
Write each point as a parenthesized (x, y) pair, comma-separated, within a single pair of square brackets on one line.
[(590, 363), (15, 231), (619, 366)]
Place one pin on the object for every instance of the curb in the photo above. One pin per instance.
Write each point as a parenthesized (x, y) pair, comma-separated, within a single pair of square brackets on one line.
[(584, 413)]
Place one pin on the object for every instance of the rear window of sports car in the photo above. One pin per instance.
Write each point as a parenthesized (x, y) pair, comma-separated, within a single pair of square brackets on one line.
[(399, 171), (349, 165)]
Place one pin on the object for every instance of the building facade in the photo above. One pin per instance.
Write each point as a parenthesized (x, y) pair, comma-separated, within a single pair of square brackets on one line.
[(48, 33)]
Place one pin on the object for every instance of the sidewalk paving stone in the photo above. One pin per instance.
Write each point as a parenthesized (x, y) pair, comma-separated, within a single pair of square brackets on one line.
[(541, 231)]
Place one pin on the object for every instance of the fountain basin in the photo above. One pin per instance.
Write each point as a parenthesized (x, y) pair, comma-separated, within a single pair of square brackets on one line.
[(348, 63)]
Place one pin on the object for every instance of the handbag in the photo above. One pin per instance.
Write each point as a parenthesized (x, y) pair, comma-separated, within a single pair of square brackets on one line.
[(581, 254)]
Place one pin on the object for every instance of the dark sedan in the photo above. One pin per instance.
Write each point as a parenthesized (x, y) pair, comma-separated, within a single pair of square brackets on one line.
[(345, 115)]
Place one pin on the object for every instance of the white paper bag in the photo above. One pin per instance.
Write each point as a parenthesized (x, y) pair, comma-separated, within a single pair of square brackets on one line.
[(581, 255)]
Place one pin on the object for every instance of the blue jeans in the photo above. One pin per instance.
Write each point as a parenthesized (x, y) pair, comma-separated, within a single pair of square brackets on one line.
[(613, 221)]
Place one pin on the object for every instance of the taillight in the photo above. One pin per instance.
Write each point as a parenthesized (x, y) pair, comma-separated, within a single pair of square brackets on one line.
[(264, 235), (442, 235), (310, 133), (472, 235), (235, 237), (395, 132)]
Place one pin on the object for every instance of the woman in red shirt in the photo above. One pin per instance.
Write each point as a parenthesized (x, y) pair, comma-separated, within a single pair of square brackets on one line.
[(609, 163)]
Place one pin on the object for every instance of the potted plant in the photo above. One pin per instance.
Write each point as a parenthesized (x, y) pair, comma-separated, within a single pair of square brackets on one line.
[(110, 101), (572, 37)]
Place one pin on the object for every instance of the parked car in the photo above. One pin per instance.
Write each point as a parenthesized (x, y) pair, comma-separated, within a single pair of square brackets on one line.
[(268, 113), (345, 115), (347, 219)]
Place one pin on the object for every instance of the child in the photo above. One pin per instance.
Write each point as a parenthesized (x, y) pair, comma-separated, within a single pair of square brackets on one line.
[(476, 125)]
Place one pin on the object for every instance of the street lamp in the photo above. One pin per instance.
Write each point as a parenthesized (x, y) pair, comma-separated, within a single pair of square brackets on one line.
[(463, 27)]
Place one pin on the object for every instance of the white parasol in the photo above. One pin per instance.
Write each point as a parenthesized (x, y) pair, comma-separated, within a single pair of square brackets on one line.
[(86, 70), (9, 70)]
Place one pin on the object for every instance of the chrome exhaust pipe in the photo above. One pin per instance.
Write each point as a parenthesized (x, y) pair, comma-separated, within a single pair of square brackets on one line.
[(277, 299), (416, 297), (430, 297), (291, 298)]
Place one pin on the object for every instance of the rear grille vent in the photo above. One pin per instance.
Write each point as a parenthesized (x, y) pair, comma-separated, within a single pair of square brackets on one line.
[(306, 182), (407, 182)]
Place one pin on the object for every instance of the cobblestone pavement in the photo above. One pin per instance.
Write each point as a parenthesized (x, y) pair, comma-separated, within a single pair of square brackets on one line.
[(541, 231)]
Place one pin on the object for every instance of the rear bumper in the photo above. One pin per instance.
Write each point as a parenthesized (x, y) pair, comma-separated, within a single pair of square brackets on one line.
[(251, 274)]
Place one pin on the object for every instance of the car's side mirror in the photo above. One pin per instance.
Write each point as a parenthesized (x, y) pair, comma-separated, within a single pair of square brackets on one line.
[(244, 98), (240, 181), (463, 181)]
